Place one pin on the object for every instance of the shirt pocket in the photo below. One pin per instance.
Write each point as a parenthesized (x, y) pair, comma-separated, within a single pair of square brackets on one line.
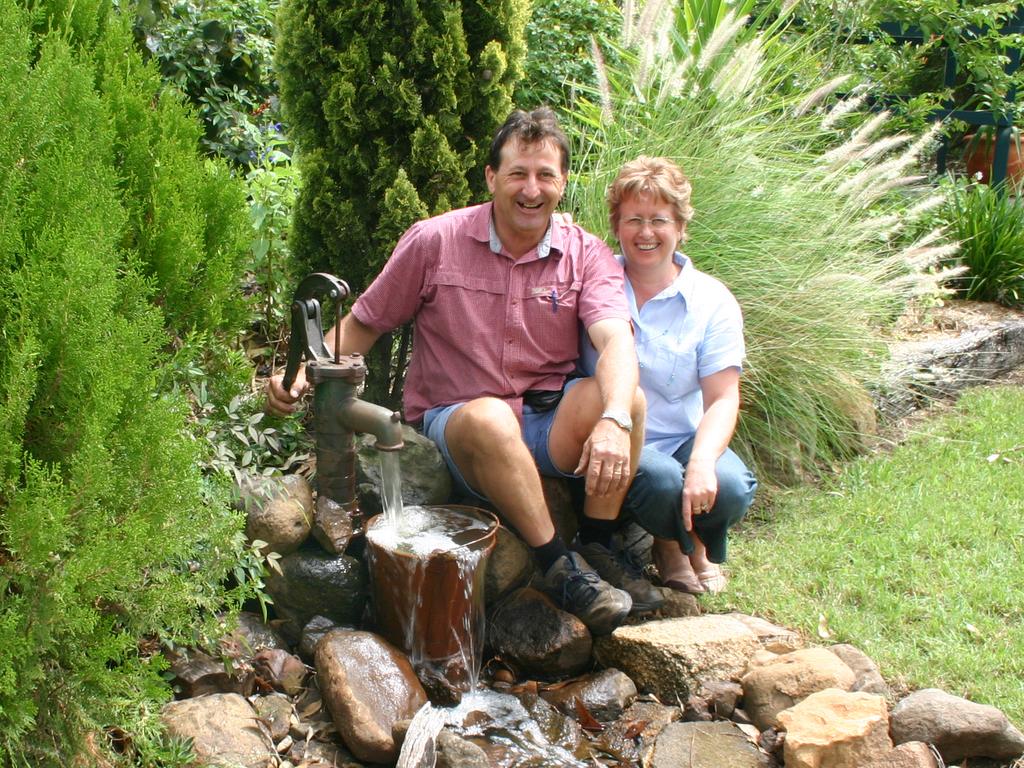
[(461, 308), (550, 320), (670, 368)]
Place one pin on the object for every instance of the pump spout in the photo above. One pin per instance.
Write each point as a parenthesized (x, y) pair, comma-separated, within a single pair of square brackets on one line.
[(360, 416)]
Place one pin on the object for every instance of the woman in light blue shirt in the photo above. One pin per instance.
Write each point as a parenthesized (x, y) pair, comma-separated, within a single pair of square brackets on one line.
[(689, 487)]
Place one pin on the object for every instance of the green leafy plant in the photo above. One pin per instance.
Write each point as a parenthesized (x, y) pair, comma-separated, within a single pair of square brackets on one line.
[(219, 54), (990, 228), (799, 206), (272, 184), (912, 76)]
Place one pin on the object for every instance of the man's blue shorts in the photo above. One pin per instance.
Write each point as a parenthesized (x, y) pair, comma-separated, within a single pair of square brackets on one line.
[(536, 431)]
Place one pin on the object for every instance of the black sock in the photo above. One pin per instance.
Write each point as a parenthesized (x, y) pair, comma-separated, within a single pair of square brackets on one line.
[(597, 531), (547, 554)]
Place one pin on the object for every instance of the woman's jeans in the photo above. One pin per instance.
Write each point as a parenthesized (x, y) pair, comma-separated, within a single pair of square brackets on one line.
[(655, 499)]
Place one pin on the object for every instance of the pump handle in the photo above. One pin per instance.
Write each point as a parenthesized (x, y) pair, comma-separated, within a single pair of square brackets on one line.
[(307, 338)]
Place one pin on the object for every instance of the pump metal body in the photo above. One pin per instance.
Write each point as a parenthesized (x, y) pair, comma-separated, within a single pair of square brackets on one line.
[(337, 412)]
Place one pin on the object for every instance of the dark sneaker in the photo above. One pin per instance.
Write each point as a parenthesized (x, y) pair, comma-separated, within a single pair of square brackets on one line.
[(579, 590), (623, 570)]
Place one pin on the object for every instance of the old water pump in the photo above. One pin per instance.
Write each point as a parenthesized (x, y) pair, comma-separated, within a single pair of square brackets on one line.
[(337, 411)]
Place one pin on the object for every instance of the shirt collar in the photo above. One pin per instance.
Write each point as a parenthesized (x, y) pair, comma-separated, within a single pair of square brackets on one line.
[(543, 247), (682, 286)]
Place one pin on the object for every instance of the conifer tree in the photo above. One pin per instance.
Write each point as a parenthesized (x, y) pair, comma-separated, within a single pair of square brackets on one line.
[(114, 234), (392, 104)]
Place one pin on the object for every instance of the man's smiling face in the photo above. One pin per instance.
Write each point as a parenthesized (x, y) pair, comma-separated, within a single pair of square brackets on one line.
[(527, 187)]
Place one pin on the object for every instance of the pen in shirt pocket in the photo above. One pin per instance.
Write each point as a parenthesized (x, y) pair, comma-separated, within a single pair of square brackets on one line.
[(554, 300)]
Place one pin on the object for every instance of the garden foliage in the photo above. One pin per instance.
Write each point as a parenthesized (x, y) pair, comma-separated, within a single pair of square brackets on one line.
[(113, 236), (559, 40), (798, 210), (911, 77), (391, 106)]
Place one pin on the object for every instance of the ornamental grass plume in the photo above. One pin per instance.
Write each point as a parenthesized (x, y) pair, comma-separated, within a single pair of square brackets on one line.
[(800, 213)]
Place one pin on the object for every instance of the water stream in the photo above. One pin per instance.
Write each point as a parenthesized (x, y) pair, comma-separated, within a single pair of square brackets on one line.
[(496, 722)]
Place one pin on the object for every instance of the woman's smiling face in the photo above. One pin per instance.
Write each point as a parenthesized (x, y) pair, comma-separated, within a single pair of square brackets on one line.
[(647, 230)]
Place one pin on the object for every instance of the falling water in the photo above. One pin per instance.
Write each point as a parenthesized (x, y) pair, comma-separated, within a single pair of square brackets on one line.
[(391, 486)]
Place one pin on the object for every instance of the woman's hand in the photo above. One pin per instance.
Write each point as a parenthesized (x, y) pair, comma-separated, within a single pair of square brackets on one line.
[(699, 489)]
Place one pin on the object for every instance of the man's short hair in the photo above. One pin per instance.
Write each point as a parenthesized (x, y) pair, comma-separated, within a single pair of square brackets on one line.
[(659, 177), (540, 125)]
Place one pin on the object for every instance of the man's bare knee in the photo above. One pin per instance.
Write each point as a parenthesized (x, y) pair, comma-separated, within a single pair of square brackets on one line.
[(486, 419)]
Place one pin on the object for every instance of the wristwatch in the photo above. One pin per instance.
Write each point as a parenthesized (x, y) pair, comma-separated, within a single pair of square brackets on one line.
[(621, 418)]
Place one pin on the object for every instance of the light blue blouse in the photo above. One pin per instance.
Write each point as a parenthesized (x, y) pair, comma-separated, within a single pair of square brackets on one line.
[(692, 329)]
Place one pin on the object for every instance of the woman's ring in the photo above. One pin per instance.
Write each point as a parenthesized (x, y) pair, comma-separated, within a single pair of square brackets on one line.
[(703, 507)]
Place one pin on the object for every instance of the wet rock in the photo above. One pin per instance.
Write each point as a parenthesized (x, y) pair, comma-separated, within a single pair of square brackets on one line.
[(869, 679), (224, 729), (672, 657), (368, 685), (279, 670), (556, 728), (771, 636), (527, 630), (510, 566), (275, 710), (790, 678), (425, 477), (332, 525), (957, 727), (253, 634), (722, 696), (632, 736), (705, 745), (453, 751), (279, 511), (835, 728), (316, 628), (678, 605), (605, 695), (314, 583), (198, 674), (913, 754)]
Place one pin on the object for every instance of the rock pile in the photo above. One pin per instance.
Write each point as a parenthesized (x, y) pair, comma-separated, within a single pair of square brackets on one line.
[(315, 686)]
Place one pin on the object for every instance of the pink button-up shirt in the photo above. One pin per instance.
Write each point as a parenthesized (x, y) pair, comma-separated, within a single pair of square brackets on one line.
[(487, 324)]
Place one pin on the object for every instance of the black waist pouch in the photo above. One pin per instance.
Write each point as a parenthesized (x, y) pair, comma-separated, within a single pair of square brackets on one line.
[(542, 399)]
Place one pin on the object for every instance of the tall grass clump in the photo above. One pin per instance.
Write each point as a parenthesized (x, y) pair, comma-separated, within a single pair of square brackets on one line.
[(799, 207), (111, 540), (989, 223)]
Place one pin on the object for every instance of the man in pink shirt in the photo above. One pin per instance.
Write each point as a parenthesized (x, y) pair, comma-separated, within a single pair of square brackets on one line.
[(498, 293)]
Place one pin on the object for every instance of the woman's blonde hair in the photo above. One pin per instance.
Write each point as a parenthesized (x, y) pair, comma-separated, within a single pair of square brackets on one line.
[(655, 176)]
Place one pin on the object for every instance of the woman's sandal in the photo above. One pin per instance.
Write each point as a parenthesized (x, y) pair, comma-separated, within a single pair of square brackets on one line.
[(713, 579), (683, 586)]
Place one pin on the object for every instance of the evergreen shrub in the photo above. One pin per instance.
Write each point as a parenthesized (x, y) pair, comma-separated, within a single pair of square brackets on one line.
[(109, 534)]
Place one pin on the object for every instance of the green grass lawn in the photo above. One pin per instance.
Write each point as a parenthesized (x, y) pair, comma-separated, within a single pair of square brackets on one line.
[(916, 556)]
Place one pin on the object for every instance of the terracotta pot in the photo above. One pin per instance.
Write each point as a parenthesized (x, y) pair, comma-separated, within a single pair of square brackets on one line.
[(979, 155)]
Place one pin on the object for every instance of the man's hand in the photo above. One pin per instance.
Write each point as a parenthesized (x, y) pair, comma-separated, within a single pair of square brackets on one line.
[(699, 489), (283, 401), (605, 459)]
